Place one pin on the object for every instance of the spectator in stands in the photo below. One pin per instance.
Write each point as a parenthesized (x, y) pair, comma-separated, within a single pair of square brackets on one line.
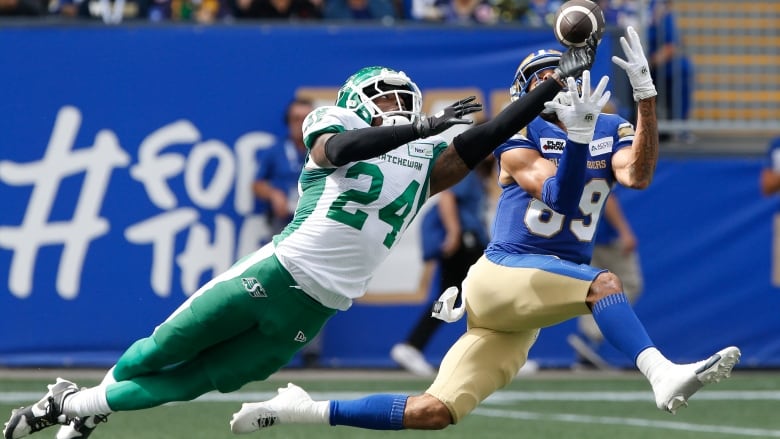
[(109, 11), (276, 183), (626, 13), (669, 65), (455, 11), (21, 8), (770, 186), (200, 11), (382, 10), (425, 10), (278, 9), (541, 13)]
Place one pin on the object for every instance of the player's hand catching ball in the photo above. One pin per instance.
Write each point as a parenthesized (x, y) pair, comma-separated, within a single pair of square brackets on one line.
[(636, 66), (577, 59), (581, 115)]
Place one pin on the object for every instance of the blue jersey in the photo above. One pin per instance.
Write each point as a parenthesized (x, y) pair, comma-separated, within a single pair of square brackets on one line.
[(524, 224)]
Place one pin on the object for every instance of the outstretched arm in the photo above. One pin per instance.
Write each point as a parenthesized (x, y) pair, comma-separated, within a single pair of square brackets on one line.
[(634, 167), (769, 182), (472, 146), (331, 150), (562, 191)]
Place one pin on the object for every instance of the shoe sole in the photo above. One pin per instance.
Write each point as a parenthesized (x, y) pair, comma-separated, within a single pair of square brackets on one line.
[(586, 352), (10, 426), (717, 368)]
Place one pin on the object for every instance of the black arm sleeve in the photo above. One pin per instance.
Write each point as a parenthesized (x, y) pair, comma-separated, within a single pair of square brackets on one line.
[(477, 143), (366, 143)]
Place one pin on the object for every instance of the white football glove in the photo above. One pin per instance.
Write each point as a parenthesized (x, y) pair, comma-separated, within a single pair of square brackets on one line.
[(563, 97), (444, 308), (580, 116), (636, 66)]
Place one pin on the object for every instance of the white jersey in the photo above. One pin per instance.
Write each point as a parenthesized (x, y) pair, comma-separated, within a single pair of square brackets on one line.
[(349, 217)]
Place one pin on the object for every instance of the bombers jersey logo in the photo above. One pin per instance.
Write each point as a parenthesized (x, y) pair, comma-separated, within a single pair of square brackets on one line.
[(254, 287), (601, 146), (552, 145)]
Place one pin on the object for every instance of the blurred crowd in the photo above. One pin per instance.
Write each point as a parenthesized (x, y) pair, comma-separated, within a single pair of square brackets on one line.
[(534, 13)]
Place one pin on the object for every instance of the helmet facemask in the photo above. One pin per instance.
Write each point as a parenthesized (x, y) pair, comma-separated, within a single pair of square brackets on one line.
[(404, 100), (530, 68), (361, 89)]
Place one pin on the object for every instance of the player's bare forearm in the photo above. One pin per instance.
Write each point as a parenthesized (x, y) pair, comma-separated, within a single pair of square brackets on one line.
[(646, 141), (769, 182), (448, 170)]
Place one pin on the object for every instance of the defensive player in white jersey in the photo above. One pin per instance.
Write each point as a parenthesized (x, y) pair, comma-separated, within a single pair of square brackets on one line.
[(555, 177), (373, 161)]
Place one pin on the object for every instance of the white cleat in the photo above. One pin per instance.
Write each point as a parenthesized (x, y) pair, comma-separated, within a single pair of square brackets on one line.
[(80, 428), (682, 381), (43, 414), (411, 359), (291, 405)]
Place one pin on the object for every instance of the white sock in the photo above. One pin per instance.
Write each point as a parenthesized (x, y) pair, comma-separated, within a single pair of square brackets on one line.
[(652, 363), (318, 412), (87, 402), (109, 378), (322, 410)]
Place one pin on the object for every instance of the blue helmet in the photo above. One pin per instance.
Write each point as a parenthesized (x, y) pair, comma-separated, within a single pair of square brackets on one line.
[(530, 67)]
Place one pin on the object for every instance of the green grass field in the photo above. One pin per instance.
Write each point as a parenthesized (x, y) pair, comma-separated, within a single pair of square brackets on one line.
[(554, 405)]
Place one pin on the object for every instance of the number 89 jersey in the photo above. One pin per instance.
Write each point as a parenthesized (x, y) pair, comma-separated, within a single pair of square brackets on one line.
[(524, 224), (349, 217)]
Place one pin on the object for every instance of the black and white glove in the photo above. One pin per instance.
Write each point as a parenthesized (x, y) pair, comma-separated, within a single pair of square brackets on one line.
[(577, 59), (427, 126), (445, 309), (636, 66), (580, 116)]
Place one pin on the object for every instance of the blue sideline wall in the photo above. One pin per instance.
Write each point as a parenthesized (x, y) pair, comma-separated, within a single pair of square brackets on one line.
[(127, 154)]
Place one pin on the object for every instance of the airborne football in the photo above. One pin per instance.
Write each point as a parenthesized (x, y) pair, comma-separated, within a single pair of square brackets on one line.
[(575, 20)]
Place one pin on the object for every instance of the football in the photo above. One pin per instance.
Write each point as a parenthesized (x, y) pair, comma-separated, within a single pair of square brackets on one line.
[(575, 20)]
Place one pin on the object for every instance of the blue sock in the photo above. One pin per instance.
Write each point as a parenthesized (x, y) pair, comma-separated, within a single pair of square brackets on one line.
[(375, 412), (620, 325)]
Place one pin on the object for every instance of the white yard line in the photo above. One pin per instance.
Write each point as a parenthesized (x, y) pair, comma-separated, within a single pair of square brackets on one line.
[(632, 422), (499, 398), (490, 407)]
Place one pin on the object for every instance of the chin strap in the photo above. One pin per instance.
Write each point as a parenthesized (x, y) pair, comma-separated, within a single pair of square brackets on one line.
[(444, 308)]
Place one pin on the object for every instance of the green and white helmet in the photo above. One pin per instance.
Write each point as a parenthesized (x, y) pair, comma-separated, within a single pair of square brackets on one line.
[(369, 82)]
